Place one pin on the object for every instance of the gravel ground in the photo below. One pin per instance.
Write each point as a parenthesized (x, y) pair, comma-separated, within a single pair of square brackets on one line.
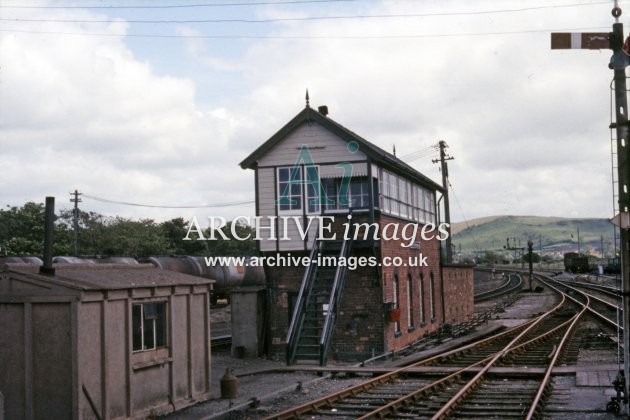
[(262, 392), (272, 391), (256, 382)]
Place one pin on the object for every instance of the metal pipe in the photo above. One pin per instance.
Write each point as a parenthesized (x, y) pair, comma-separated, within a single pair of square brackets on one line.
[(49, 220)]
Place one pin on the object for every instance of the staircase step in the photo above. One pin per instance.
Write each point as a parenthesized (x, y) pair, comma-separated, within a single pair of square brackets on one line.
[(308, 361), (330, 246), (306, 347), (308, 356), (320, 284)]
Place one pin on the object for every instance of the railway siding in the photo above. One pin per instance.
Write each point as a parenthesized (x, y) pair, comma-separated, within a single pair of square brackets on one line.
[(579, 388)]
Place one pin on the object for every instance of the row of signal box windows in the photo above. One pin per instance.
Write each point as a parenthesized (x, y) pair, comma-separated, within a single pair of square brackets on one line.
[(300, 187)]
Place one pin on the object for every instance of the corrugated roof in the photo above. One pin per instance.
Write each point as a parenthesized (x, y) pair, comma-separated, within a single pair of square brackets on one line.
[(110, 276)]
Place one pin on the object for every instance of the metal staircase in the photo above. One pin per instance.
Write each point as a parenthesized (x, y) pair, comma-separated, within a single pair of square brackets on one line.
[(314, 316)]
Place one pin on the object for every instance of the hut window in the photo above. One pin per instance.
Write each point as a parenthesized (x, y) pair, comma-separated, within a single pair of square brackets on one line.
[(149, 325)]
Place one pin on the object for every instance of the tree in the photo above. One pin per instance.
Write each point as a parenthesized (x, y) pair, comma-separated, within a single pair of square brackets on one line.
[(136, 239), (535, 257), (547, 259), (174, 231), (99, 235), (22, 231), (489, 257), (233, 246)]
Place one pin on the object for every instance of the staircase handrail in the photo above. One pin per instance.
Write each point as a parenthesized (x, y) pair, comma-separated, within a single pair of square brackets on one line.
[(296, 318), (335, 300)]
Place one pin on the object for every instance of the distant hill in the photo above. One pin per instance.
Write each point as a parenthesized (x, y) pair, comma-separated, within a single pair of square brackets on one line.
[(554, 234)]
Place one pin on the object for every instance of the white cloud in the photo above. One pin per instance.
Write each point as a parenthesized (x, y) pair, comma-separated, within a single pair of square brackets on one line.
[(82, 112), (527, 125), (510, 108)]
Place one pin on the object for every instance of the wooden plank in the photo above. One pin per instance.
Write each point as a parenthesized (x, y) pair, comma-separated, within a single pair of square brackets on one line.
[(580, 40)]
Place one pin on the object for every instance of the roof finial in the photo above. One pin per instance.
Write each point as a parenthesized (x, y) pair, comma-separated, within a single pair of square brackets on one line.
[(394, 150), (307, 99)]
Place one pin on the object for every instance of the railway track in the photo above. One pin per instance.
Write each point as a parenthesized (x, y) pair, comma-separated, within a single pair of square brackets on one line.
[(512, 284), (506, 375), (607, 308)]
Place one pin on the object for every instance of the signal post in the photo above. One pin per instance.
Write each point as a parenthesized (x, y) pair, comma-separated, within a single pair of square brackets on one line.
[(614, 41)]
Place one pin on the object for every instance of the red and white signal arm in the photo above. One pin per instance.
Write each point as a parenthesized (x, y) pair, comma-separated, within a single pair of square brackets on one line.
[(580, 40)]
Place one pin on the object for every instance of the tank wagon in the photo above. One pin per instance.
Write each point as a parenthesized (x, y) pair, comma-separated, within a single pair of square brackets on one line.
[(20, 260), (94, 260), (227, 277)]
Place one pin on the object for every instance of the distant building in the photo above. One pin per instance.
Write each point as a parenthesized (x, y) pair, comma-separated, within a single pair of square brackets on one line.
[(102, 341), (312, 167)]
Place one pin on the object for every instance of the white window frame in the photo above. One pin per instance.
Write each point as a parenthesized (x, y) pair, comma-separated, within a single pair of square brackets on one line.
[(303, 201), (306, 192), (154, 322), (363, 182), (281, 189)]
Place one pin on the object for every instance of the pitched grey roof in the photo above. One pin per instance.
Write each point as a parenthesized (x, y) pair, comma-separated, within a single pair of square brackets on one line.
[(375, 153), (107, 276)]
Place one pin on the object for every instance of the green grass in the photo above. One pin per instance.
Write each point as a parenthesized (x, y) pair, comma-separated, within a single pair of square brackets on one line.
[(554, 234)]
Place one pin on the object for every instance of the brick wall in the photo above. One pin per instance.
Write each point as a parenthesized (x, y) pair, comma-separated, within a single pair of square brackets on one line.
[(417, 321), (283, 285), (363, 327), (458, 293), (358, 331)]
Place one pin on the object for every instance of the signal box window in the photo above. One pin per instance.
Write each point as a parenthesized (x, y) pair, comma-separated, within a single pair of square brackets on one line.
[(290, 188)]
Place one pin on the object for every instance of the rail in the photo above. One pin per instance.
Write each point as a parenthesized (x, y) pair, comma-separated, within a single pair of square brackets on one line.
[(475, 380), (547, 378), (553, 329), (595, 299), (326, 401), (509, 286)]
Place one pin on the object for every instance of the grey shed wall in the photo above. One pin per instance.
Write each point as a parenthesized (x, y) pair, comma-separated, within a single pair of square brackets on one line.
[(67, 353)]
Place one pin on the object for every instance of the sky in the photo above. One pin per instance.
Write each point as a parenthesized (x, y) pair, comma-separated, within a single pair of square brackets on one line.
[(157, 102)]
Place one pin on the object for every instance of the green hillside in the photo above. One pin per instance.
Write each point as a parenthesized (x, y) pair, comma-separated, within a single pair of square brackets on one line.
[(555, 235)]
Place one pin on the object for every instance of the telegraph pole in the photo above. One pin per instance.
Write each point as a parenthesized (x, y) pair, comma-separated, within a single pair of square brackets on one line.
[(447, 208), (75, 221), (614, 41), (530, 253)]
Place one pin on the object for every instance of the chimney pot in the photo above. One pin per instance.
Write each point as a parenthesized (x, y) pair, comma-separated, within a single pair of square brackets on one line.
[(323, 109)]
